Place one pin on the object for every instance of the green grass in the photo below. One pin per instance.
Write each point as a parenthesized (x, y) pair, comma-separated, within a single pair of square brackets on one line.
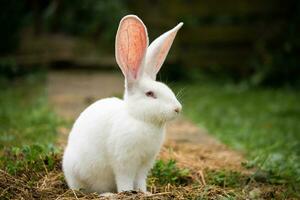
[(25, 115), (264, 123), (165, 172), (35, 158), (225, 178)]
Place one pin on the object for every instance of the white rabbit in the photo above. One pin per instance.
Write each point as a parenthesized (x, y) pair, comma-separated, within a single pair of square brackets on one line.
[(114, 142)]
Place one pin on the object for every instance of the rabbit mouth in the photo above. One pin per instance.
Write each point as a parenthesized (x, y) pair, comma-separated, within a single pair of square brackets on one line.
[(163, 118)]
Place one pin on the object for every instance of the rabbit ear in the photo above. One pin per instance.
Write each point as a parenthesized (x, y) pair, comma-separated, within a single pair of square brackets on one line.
[(158, 51), (131, 45)]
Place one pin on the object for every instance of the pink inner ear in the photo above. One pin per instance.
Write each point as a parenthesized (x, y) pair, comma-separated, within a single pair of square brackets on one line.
[(164, 51), (131, 46)]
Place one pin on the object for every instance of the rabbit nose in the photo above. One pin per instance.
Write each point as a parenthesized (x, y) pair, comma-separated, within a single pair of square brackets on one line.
[(177, 110)]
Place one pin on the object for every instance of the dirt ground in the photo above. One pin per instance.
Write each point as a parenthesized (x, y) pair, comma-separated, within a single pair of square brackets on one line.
[(70, 92)]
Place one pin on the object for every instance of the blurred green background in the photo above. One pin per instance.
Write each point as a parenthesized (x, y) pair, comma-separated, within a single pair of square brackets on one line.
[(236, 64), (255, 41)]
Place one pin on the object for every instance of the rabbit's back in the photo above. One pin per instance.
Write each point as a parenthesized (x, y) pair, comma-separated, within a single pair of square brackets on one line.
[(87, 147), (95, 122)]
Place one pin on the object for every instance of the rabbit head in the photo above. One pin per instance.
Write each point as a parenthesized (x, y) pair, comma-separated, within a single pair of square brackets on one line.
[(146, 99)]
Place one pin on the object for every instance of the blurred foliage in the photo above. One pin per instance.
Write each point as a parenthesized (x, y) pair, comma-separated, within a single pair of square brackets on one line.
[(93, 18), (233, 39), (10, 69), (175, 72), (12, 19), (25, 115), (277, 62)]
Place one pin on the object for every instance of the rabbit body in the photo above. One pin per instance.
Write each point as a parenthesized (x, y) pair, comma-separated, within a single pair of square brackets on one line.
[(106, 143), (113, 143)]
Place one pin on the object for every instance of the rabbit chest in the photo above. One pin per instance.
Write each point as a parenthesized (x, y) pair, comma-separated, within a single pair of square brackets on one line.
[(136, 141)]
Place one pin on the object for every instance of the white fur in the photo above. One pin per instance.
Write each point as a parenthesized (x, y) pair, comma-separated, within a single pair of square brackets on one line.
[(114, 142)]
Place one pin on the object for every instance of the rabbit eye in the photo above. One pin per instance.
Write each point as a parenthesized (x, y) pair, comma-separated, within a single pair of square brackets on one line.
[(150, 94)]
